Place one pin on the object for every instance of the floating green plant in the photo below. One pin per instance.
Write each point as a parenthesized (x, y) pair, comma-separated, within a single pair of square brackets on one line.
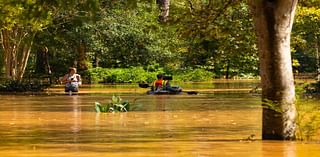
[(115, 105)]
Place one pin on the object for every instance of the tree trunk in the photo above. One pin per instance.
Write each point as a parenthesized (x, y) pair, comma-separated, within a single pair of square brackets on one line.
[(82, 59), (42, 61), (273, 22), (228, 70), (317, 59), (164, 10), (96, 60), (22, 58), (8, 52), (16, 45)]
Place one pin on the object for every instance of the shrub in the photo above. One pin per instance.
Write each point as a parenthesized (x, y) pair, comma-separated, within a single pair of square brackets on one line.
[(17, 86), (195, 75), (148, 75), (121, 75), (313, 88)]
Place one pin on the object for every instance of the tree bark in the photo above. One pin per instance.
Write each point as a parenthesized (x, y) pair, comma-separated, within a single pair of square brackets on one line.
[(317, 59), (273, 22), (164, 6), (42, 61), (16, 45), (228, 70), (24, 56), (82, 59)]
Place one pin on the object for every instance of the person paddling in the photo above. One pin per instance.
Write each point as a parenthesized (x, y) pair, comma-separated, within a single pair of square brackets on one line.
[(163, 84)]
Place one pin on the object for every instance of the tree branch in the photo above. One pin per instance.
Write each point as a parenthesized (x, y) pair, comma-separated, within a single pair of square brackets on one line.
[(222, 10)]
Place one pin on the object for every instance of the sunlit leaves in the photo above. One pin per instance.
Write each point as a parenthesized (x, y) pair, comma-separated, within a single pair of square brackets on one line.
[(124, 38), (221, 35), (309, 3), (37, 14), (306, 37)]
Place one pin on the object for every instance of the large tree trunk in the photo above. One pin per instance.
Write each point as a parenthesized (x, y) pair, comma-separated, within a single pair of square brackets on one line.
[(16, 45), (164, 10), (273, 22)]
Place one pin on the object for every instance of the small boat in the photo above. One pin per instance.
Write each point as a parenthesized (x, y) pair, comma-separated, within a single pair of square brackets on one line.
[(166, 92), (163, 92)]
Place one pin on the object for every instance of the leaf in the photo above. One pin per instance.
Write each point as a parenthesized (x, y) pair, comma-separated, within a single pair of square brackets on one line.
[(116, 99), (98, 107)]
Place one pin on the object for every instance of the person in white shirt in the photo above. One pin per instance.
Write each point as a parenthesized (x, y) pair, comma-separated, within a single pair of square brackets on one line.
[(72, 80)]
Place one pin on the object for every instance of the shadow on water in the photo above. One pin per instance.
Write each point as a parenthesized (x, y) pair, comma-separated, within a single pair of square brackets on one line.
[(211, 124)]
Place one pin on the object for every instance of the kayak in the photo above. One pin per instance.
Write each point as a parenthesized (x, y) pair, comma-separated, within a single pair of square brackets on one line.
[(163, 92), (167, 92)]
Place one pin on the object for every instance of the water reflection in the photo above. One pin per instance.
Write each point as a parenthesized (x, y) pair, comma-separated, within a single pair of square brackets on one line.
[(160, 102), (76, 118), (284, 149)]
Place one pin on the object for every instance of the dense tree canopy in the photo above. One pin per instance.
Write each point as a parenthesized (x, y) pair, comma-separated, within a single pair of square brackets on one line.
[(22, 20), (216, 36)]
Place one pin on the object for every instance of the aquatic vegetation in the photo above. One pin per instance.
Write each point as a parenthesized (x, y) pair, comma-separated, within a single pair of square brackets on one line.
[(115, 105), (308, 120)]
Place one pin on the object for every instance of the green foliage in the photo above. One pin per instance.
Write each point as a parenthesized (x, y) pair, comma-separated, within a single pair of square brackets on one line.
[(122, 75), (309, 3), (221, 37), (139, 74), (305, 38), (24, 13), (65, 34), (22, 20), (17, 86), (118, 38), (195, 75), (125, 38), (308, 120), (313, 88), (115, 105), (216, 36)]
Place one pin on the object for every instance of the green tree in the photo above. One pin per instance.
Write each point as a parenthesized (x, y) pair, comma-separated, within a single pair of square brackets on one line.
[(220, 36), (21, 21), (131, 37)]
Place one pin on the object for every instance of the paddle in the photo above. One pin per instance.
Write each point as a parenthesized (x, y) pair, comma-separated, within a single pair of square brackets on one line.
[(144, 85)]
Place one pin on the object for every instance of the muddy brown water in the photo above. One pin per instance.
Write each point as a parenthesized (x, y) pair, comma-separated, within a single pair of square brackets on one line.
[(213, 123)]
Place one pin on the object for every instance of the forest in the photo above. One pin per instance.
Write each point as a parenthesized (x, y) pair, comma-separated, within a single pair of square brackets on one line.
[(116, 41), (211, 46)]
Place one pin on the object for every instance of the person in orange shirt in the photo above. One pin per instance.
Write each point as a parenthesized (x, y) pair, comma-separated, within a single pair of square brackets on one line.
[(159, 84), (163, 84)]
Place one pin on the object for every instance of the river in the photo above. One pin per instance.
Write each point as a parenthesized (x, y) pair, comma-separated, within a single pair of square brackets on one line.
[(220, 121)]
